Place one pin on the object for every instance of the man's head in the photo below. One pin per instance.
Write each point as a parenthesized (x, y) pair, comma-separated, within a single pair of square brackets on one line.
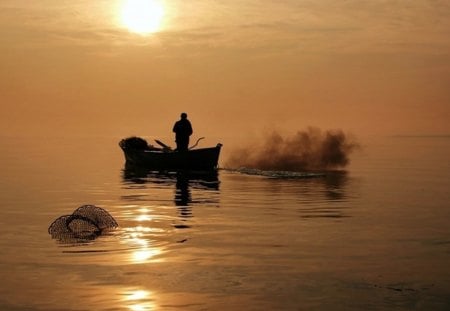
[(184, 115)]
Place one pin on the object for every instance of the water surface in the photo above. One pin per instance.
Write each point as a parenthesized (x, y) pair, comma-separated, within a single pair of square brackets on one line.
[(376, 236)]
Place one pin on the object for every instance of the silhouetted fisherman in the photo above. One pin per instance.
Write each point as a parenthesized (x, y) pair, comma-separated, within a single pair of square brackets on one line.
[(182, 130)]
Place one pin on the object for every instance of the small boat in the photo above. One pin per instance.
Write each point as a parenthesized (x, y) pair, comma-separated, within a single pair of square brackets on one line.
[(139, 153)]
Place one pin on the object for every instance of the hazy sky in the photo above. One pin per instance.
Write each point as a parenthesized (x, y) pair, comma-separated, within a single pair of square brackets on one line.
[(236, 67)]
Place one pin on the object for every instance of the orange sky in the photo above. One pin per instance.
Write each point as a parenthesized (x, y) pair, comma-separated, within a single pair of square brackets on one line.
[(236, 67)]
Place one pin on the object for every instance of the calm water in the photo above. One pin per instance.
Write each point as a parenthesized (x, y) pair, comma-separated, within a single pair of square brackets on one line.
[(374, 237)]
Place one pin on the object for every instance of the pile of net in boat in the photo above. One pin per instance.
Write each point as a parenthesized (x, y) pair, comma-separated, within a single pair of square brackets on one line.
[(85, 223), (134, 143)]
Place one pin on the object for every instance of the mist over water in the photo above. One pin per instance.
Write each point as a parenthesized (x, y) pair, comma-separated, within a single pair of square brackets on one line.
[(309, 149)]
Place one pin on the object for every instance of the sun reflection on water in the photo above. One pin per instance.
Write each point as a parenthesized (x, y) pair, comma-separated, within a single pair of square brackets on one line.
[(138, 300), (145, 255), (143, 218), (144, 249), (140, 237)]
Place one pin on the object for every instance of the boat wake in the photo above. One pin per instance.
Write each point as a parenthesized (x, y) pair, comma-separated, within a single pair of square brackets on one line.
[(276, 174)]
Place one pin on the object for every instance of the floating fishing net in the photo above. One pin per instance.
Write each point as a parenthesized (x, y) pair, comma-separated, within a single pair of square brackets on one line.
[(86, 223)]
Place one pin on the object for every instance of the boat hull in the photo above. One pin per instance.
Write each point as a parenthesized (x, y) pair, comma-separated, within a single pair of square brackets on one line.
[(203, 159)]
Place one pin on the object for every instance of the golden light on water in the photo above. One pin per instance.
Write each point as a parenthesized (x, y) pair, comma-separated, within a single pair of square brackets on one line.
[(144, 250), (138, 300), (143, 218), (141, 307), (138, 295), (142, 16), (144, 255)]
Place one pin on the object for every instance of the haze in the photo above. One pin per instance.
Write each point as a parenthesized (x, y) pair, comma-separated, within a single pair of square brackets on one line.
[(236, 67)]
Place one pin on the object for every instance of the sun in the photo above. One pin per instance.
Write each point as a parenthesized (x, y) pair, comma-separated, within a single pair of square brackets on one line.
[(142, 16)]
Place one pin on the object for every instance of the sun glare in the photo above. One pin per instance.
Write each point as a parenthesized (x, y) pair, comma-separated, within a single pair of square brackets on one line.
[(142, 16)]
